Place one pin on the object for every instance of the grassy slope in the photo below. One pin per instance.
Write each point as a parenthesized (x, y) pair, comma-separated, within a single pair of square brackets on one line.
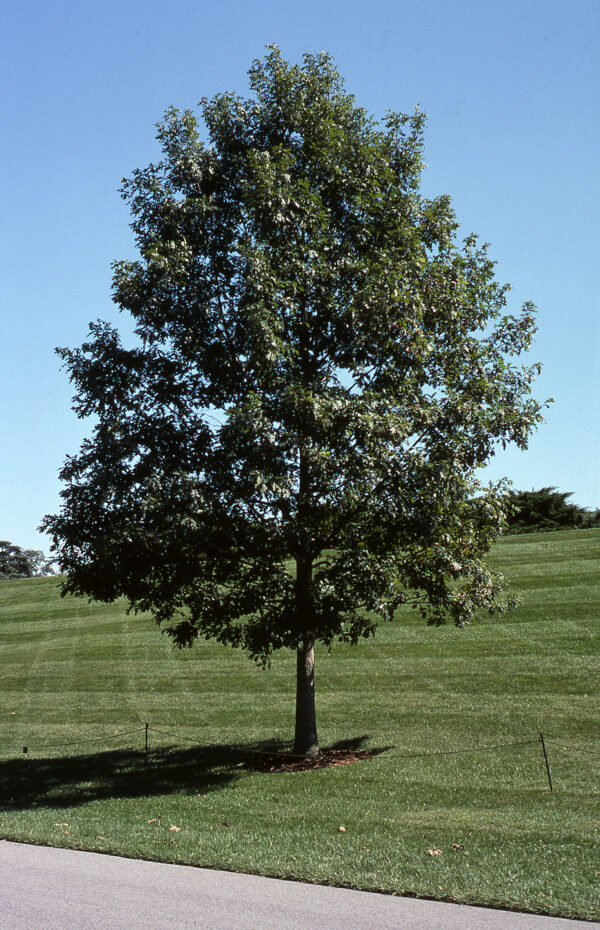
[(72, 671)]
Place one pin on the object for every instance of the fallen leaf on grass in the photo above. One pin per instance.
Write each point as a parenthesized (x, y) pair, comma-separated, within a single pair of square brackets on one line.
[(201, 795), (457, 846), (153, 821), (100, 837), (174, 829), (67, 833), (341, 829), (61, 824), (13, 713), (435, 851), (223, 824)]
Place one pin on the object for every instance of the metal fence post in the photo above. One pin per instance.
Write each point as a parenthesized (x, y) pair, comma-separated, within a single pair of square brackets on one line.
[(546, 760)]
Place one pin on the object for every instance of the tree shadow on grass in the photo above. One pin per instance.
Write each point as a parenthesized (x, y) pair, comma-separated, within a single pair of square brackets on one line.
[(69, 781), (27, 783)]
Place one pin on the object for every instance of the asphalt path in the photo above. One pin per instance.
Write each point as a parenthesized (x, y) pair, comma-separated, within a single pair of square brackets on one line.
[(62, 889)]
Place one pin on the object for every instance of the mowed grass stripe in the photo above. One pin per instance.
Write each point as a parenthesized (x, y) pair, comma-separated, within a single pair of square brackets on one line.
[(73, 670)]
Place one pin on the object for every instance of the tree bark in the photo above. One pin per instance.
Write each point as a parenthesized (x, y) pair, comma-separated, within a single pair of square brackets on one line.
[(306, 742)]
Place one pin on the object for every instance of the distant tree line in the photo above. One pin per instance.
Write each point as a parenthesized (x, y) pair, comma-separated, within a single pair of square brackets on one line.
[(16, 562), (547, 509)]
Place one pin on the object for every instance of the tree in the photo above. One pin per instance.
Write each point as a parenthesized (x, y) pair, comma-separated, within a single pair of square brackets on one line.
[(22, 563), (546, 509), (287, 453)]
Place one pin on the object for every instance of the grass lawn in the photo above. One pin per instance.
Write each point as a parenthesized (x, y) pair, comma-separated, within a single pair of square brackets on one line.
[(71, 671)]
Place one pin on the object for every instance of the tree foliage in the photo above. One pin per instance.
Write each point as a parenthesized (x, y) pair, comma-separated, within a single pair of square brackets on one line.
[(287, 454), (546, 509), (16, 562)]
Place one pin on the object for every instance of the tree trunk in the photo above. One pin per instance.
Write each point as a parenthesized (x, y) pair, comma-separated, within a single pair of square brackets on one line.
[(306, 742)]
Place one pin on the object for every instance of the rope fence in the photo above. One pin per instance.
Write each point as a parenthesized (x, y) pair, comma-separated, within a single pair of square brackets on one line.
[(461, 752), (590, 752), (471, 750), (79, 742)]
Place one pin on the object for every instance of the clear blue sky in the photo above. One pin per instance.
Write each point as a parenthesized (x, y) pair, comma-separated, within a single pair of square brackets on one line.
[(511, 89)]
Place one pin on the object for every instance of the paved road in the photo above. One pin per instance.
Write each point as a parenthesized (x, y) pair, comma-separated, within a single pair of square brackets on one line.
[(61, 889)]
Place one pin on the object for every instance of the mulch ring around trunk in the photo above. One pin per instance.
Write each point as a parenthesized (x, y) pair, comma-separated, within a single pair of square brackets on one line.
[(284, 762)]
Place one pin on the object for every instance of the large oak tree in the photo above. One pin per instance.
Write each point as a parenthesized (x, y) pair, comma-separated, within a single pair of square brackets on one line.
[(289, 450)]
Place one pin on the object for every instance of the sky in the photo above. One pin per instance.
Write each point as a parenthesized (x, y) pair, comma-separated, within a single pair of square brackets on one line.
[(511, 91)]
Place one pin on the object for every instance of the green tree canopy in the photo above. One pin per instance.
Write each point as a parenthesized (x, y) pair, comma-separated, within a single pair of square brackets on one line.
[(16, 562), (288, 452), (546, 509)]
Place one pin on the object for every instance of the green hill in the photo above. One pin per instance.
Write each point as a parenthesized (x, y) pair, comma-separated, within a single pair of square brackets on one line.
[(431, 704)]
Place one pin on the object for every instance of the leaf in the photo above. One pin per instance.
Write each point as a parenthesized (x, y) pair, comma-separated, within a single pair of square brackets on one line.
[(223, 824), (153, 821), (174, 829), (457, 846), (61, 824), (435, 851), (100, 837), (341, 829)]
